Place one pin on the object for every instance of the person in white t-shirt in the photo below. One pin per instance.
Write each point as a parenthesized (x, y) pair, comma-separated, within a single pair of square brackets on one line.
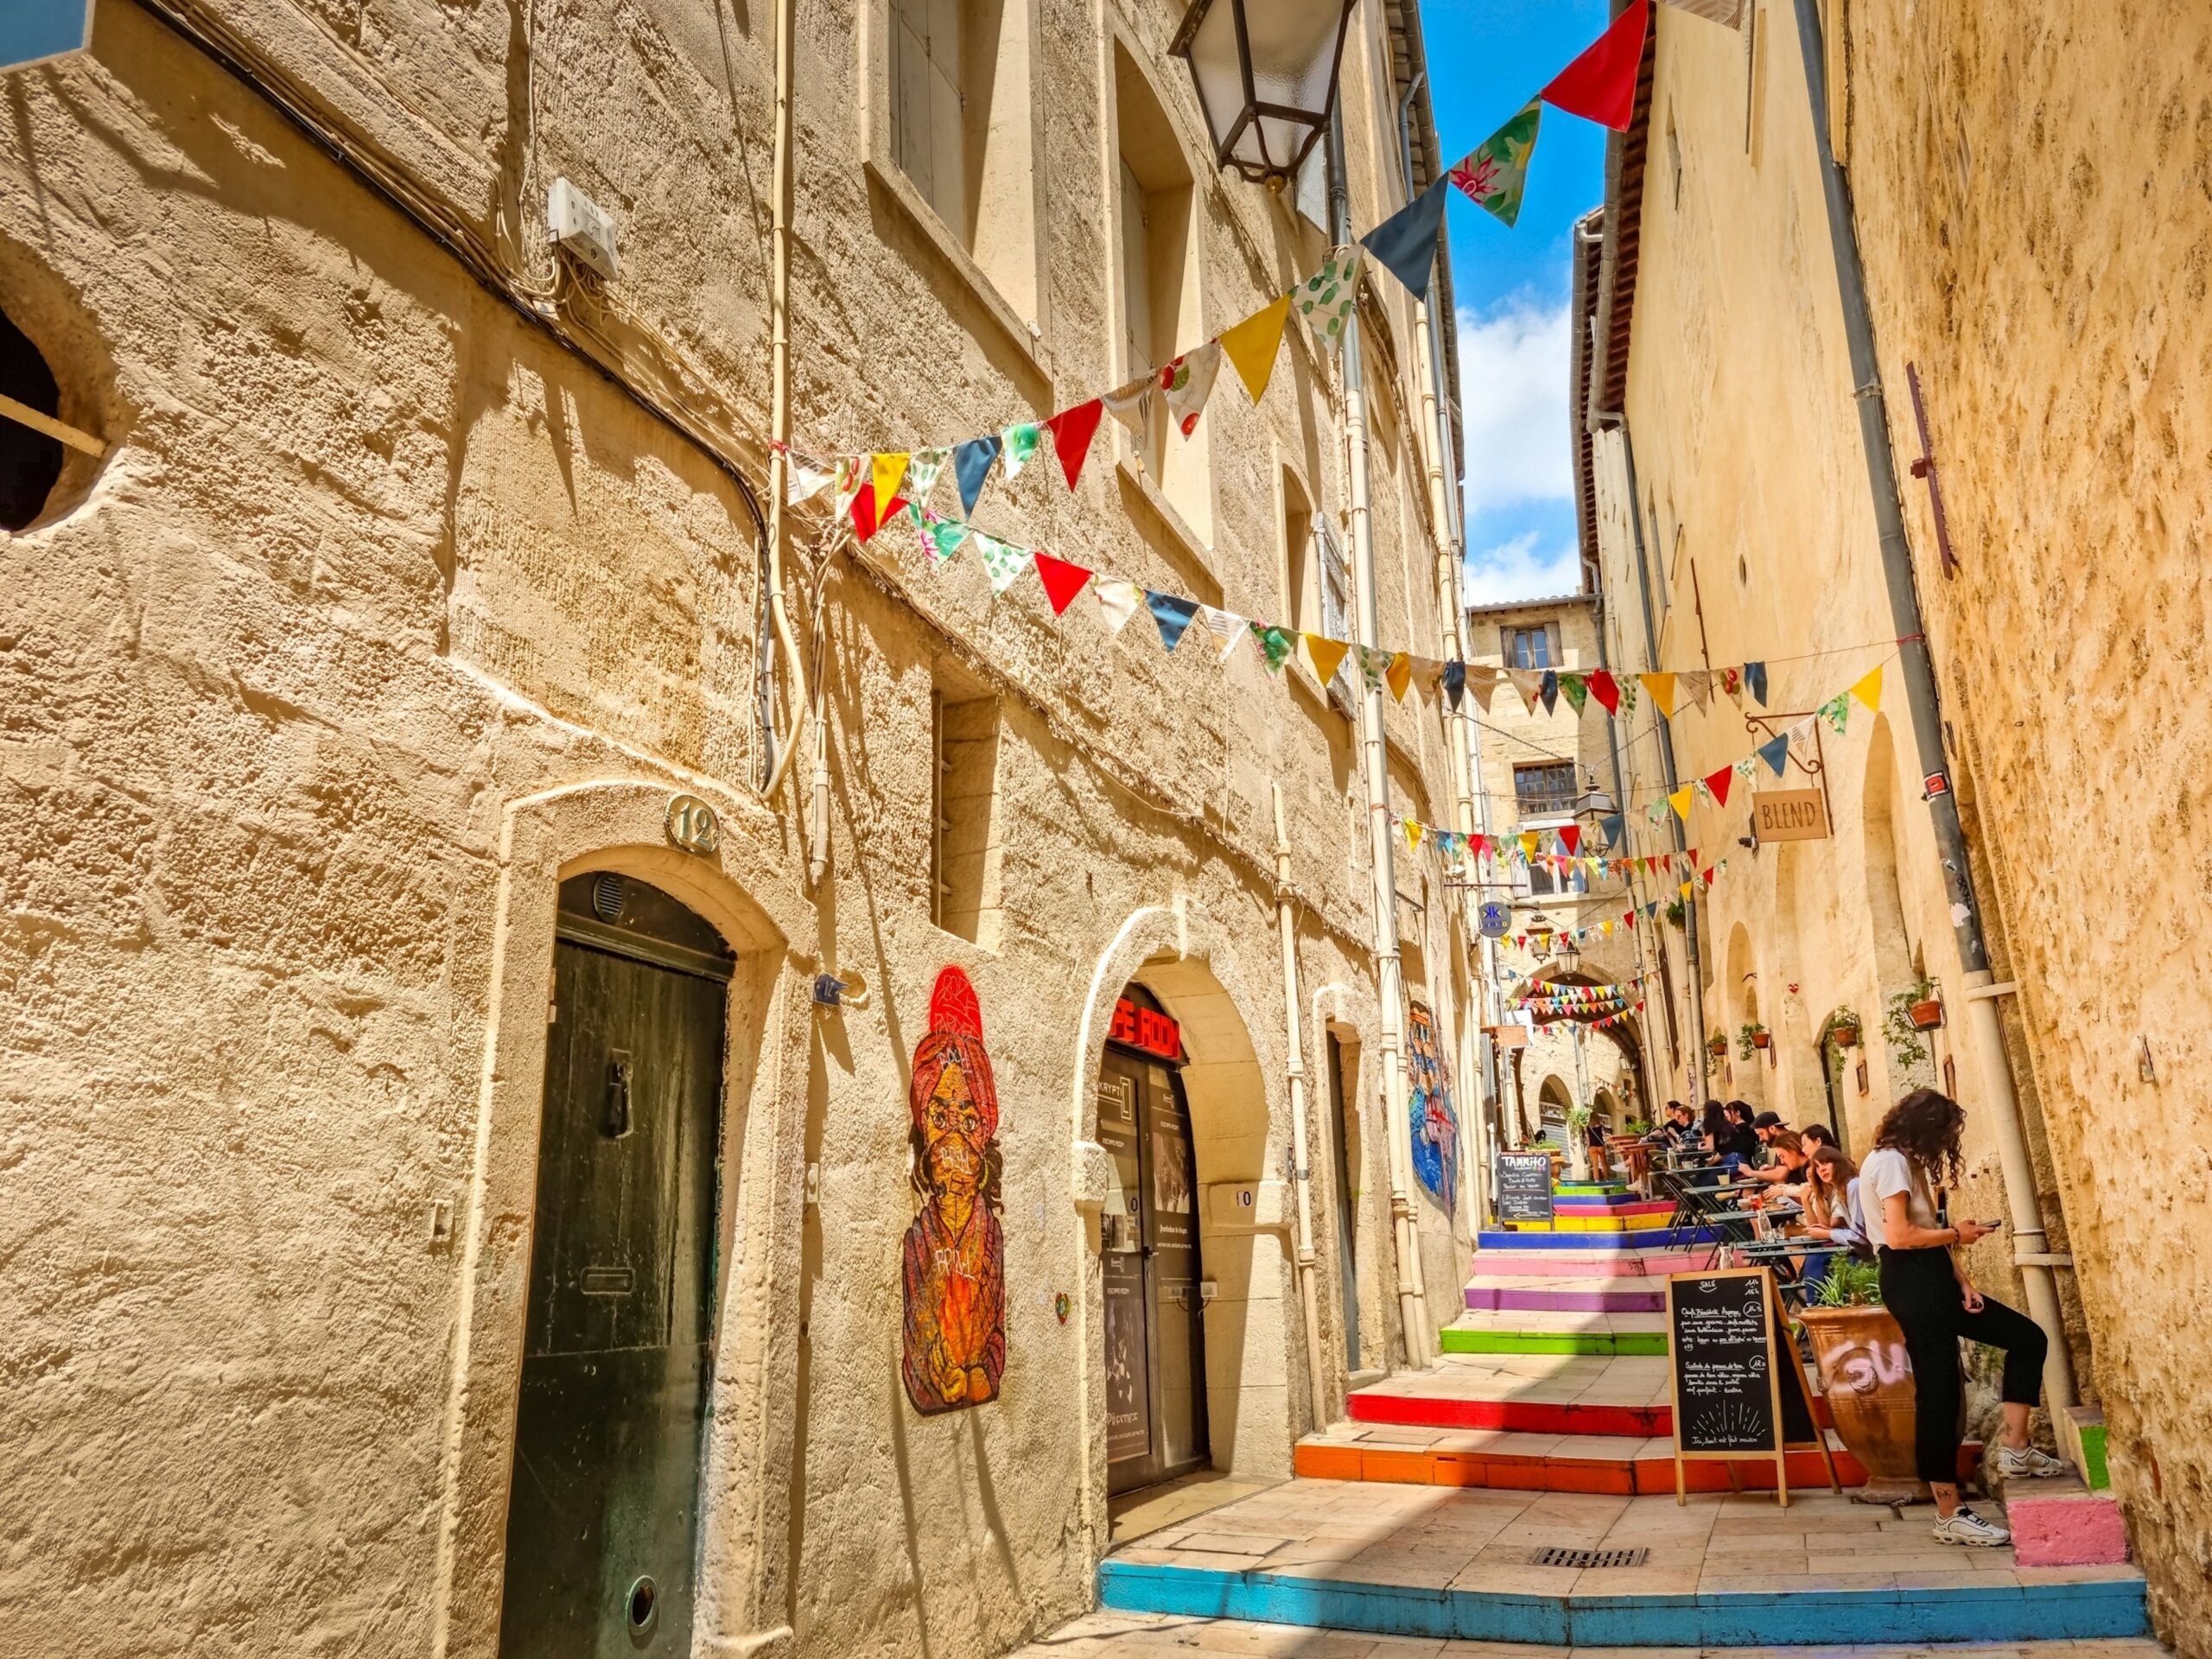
[(1926, 1289)]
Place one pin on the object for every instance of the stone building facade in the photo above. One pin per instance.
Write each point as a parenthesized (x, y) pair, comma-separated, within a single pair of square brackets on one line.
[(377, 675), (2028, 201)]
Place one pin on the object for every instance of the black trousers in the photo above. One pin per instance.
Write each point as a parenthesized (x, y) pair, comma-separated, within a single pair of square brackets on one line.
[(1923, 1294)]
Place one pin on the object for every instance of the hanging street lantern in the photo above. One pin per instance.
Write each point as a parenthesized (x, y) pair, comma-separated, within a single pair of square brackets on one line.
[(1594, 802), (1266, 71)]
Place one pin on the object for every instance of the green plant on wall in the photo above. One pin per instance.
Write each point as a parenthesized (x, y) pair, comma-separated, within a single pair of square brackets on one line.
[(1907, 1047), (1851, 1282), (1746, 1045), (1676, 913), (1843, 1026)]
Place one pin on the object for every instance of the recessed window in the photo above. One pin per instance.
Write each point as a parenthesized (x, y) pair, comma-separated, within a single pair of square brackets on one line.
[(1545, 790), (965, 851), (31, 462), (1532, 645)]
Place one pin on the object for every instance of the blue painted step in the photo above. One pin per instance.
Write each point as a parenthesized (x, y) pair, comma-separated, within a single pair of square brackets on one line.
[(2077, 1611)]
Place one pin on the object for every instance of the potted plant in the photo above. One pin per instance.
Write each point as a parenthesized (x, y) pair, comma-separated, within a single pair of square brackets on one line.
[(1867, 1378), (1716, 1045), (1902, 1024), (1578, 1141), (1843, 1029), (1751, 1037), (1675, 913)]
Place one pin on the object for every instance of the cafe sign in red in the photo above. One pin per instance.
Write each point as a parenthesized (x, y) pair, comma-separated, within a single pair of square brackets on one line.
[(1147, 1029)]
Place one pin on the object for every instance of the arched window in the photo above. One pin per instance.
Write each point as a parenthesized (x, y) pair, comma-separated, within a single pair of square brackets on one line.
[(29, 461)]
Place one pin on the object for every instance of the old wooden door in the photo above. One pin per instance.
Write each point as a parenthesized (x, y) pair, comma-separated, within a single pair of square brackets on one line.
[(602, 1516)]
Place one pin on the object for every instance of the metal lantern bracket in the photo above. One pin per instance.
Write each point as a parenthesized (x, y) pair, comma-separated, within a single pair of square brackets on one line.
[(1773, 725)]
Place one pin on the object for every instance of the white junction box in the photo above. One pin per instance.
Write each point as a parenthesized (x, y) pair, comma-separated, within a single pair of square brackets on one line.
[(583, 227)]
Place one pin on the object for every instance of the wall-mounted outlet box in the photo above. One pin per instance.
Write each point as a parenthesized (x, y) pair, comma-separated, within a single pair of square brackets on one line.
[(582, 227)]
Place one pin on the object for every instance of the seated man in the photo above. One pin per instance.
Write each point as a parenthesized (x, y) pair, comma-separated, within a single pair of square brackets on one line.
[(1785, 1173)]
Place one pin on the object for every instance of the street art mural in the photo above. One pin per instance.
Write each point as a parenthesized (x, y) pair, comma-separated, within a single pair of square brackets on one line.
[(1436, 1124), (954, 1261)]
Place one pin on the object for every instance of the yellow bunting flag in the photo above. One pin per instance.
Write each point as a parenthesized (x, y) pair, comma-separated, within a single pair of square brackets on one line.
[(1413, 836), (1328, 656), (890, 473), (1686, 892), (1399, 674), (1680, 800), (1869, 690), (1528, 844), (1251, 345), (1662, 688)]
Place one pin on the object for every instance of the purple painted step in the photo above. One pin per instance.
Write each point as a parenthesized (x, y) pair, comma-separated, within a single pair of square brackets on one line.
[(1630, 1298), (1510, 1263)]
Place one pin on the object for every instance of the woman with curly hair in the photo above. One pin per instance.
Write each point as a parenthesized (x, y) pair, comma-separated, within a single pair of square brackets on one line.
[(1926, 1289)]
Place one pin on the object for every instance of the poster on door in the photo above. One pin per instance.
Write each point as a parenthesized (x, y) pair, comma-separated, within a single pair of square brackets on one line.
[(953, 1264), (1435, 1123)]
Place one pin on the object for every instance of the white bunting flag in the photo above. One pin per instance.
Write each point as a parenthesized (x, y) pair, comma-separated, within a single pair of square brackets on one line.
[(1117, 602)]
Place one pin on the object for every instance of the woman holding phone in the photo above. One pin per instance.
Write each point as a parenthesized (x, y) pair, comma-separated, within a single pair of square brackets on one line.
[(1926, 1289)]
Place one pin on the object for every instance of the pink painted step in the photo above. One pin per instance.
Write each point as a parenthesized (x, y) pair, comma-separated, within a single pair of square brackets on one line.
[(2062, 1522), (1590, 1264)]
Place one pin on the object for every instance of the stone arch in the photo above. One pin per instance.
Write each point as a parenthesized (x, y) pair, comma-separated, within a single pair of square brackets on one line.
[(1740, 993), (1239, 1135), (746, 892)]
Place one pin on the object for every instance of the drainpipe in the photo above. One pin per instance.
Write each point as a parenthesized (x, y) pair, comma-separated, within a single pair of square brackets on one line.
[(1462, 752), (779, 399), (1301, 1166), (1390, 984), (2030, 1248)]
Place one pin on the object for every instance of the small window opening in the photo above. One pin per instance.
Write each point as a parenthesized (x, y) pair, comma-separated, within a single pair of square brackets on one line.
[(31, 462), (965, 851)]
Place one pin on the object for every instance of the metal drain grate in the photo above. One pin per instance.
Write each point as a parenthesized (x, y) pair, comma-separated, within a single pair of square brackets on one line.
[(1591, 1557)]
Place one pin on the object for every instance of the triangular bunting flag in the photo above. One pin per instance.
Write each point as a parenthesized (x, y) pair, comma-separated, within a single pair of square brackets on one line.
[(1127, 405), (1731, 682), (1576, 689), (1528, 682), (1072, 431), (1252, 345), (1483, 681), (1680, 800), (1413, 836), (972, 464), (1706, 878), (1325, 299), (866, 520), (1716, 783), (802, 480), (1327, 655), (1002, 561), (1728, 13), (1869, 690), (1660, 686), (944, 537), (1372, 663), (1021, 440), (1188, 382), (1455, 683), (1528, 843), (1600, 84), (1225, 626), (1755, 681), (1615, 827), (1547, 691), (1570, 836), (1776, 754), (1405, 243), (1604, 688), (1275, 646), (1837, 712), (1173, 614), (1063, 581), (1117, 602), (1696, 683), (887, 473), (1496, 172), (1399, 676), (852, 472), (922, 468)]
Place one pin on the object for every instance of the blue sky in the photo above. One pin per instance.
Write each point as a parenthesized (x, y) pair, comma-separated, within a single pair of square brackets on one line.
[(1487, 58)]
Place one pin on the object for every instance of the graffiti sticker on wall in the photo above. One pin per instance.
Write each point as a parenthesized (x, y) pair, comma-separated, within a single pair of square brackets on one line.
[(1436, 1124), (954, 1263)]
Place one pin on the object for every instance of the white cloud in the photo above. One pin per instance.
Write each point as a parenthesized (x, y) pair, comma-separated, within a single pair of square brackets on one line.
[(1520, 569), (1513, 370)]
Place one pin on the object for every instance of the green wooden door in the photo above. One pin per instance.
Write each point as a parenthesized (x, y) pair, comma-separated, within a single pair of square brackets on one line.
[(602, 1519)]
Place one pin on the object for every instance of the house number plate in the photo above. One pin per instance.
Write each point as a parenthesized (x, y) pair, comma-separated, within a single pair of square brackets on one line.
[(692, 825)]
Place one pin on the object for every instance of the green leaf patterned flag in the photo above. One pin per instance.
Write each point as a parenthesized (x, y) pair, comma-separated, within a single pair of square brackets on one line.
[(1495, 173), (1325, 299), (1837, 712), (1002, 561), (944, 537), (1577, 689), (1021, 443), (1275, 646), (922, 468), (1373, 664)]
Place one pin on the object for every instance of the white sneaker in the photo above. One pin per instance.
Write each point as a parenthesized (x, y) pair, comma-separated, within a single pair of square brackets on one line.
[(1965, 1527), (2028, 1464)]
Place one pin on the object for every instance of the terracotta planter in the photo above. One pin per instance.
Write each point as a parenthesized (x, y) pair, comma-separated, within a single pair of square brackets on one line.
[(1926, 1016), (1716, 1046), (1868, 1383), (1762, 1040)]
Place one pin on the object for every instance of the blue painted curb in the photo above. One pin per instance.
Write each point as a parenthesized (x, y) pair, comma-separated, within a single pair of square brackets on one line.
[(2078, 1612), (1659, 1239)]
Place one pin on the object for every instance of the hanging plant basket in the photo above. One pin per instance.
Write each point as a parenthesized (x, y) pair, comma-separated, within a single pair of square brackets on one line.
[(1716, 1045), (1927, 1014), (1844, 1036), (1762, 1040)]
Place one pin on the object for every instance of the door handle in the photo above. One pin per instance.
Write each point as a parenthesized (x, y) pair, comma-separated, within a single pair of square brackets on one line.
[(614, 1122)]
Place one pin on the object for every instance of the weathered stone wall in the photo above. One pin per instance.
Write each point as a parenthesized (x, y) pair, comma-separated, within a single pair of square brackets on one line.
[(380, 582), (2034, 199)]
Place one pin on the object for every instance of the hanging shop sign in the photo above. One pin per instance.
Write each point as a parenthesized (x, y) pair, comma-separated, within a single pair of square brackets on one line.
[(1789, 815), (1495, 919), (1146, 1030)]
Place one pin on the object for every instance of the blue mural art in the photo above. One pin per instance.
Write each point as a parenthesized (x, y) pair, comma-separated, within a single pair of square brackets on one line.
[(1436, 1124)]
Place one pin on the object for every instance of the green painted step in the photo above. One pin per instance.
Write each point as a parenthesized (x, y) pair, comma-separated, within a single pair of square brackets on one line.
[(1459, 1339), (1585, 1189)]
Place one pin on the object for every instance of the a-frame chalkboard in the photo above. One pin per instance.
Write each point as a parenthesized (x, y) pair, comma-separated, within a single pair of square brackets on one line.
[(1738, 1387)]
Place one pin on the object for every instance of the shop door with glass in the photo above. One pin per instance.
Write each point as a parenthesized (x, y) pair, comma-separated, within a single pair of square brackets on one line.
[(1155, 1333)]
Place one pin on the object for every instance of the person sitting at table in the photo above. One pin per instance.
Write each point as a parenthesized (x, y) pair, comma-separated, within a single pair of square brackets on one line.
[(1816, 1136), (1766, 1126), (1738, 1145), (1787, 1173), (1678, 1128), (1832, 1211)]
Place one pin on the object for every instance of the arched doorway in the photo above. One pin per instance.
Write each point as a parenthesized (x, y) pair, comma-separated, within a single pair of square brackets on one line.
[(1151, 1263), (603, 1511)]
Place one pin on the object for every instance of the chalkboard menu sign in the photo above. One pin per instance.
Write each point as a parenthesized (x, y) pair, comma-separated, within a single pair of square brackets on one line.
[(1524, 1186), (1739, 1390)]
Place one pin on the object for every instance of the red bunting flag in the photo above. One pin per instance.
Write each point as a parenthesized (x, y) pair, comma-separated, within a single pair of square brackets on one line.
[(866, 520), (1063, 581), (1707, 878), (1071, 431), (1603, 687), (1600, 84), (1716, 783), (1569, 835)]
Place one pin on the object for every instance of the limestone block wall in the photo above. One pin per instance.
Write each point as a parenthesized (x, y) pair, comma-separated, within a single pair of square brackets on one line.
[(390, 609), (2031, 199)]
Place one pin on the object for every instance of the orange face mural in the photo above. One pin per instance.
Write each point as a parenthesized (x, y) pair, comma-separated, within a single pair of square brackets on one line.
[(954, 1263)]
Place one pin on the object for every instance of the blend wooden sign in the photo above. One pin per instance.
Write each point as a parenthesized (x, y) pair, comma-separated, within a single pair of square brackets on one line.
[(1789, 815)]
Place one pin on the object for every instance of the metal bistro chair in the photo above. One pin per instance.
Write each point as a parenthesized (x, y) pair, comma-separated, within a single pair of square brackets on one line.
[(1698, 1207)]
